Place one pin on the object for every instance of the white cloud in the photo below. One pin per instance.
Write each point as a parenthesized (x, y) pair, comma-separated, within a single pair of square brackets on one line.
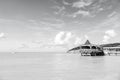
[(59, 10), (62, 37), (68, 36), (106, 38), (111, 33), (86, 37), (23, 46), (2, 35), (66, 3), (58, 37), (114, 13), (81, 12), (113, 21), (82, 3), (67, 39), (56, 24), (77, 41), (108, 35)]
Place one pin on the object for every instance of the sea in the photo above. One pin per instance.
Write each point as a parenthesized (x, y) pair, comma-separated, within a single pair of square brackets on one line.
[(58, 66)]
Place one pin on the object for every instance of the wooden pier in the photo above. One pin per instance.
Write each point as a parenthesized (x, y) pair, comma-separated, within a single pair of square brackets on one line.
[(89, 49)]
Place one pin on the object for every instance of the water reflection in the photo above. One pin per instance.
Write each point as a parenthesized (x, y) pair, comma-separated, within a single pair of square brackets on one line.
[(75, 67), (71, 67)]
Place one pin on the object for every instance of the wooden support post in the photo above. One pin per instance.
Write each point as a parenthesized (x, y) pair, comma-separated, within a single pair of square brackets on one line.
[(74, 51), (109, 54)]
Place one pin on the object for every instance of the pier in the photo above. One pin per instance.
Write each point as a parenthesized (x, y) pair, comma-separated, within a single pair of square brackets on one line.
[(112, 51), (89, 49)]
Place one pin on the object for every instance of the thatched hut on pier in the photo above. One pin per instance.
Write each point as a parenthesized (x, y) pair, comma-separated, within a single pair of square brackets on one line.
[(89, 49)]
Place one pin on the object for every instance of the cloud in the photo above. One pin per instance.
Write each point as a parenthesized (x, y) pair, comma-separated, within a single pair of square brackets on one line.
[(23, 46), (63, 10), (111, 33), (86, 37), (108, 35), (67, 39), (114, 13), (79, 7), (2, 35), (82, 3), (68, 36), (52, 23), (106, 38), (59, 10), (77, 41), (66, 3), (46, 24), (62, 37), (81, 12), (113, 21), (58, 38), (62, 40)]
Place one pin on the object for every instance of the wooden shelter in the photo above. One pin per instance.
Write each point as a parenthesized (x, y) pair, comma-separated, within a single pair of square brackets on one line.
[(89, 49)]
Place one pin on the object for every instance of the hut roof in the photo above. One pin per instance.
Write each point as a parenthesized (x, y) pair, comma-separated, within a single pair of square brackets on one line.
[(87, 42)]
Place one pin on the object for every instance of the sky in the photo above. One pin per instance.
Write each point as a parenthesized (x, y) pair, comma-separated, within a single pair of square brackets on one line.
[(57, 25)]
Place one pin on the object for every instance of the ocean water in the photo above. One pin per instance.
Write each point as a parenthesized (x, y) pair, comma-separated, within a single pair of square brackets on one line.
[(58, 66)]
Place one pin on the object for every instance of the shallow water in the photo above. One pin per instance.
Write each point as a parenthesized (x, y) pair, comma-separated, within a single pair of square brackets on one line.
[(58, 66)]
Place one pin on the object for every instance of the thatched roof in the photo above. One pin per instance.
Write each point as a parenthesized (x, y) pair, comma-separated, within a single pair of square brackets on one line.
[(78, 47), (87, 42)]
